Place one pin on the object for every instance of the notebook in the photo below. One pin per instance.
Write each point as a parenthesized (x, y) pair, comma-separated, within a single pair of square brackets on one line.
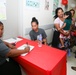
[(24, 46), (13, 40)]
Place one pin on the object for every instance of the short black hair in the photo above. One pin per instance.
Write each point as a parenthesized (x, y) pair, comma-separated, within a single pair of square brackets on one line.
[(68, 13), (72, 10), (56, 12), (1, 24), (34, 20)]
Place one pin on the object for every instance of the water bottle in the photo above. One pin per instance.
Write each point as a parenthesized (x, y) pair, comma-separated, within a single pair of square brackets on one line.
[(69, 53), (39, 38)]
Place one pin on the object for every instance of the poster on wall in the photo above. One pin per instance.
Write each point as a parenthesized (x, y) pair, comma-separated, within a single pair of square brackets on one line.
[(2, 9), (55, 5), (46, 4), (33, 4)]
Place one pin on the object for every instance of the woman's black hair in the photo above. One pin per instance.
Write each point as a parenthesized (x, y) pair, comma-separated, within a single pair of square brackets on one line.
[(56, 12), (1, 24), (73, 11), (68, 13), (35, 20)]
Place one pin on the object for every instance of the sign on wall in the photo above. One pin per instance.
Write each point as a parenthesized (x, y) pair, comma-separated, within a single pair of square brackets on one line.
[(55, 5), (2, 9), (46, 4), (34, 4)]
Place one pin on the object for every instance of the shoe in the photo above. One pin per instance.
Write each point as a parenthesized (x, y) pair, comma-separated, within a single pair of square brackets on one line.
[(73, 68)]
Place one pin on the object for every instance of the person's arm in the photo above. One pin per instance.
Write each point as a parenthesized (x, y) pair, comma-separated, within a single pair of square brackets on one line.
[(16, 52), (45, 41), (63, 26), (7, 52), (57, 26), (44, 36), (9, 45), (31, 36)]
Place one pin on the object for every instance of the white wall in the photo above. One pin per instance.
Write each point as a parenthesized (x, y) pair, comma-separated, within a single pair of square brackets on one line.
[(44, 16), (71, 2), (11, 23), (19, 18)]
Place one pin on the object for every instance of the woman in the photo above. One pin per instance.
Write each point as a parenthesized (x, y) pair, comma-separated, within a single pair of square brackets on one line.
[(73, 13), (9, 67), (73, 28), (58, 22), (37, 31)]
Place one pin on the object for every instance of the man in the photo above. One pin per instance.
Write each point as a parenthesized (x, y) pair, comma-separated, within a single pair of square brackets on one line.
[(9, 67)]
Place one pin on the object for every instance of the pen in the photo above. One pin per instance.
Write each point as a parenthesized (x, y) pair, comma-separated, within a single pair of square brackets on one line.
[(27, 43)]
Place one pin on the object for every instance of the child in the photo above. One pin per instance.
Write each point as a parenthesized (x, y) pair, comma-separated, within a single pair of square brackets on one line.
[(66, 27)]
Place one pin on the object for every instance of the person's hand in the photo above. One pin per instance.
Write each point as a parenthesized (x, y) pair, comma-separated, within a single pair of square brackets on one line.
[(36, 40), (59, 29), (12, 46), (27, 49), (66, 33)]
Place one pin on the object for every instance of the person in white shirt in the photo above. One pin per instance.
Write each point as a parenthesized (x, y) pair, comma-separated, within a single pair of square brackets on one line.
[(58, 22)]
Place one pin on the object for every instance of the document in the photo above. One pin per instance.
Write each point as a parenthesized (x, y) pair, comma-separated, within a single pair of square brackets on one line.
[(24, 46), (2, 9), (13, 40)]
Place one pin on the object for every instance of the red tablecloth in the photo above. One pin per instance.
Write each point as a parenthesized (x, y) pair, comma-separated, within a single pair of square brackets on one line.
[(42, 61)]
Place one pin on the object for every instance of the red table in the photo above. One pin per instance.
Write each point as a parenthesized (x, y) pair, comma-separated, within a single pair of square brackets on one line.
[(42, 61)]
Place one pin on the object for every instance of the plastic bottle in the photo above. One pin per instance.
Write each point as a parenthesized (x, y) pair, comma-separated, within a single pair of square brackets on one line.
[(69, 53), (39, 38)]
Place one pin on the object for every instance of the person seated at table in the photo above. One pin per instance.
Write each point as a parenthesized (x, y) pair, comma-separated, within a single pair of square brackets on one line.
[(9, 66), (37, 31)]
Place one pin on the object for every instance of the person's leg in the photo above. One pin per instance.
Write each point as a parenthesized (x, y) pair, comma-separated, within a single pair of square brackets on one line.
[(62, 42), (55, 40), (10, 68)]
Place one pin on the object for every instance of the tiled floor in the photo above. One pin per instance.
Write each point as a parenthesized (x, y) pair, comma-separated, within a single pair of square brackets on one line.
[(71, 61)]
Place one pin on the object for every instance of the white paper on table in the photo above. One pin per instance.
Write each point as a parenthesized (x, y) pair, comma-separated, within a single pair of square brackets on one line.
[(24, 46), (13, 40)]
